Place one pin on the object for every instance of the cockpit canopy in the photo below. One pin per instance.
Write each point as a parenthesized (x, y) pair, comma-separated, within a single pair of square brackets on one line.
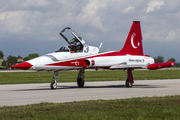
[(72, 37), (63, 49), (76, 43)]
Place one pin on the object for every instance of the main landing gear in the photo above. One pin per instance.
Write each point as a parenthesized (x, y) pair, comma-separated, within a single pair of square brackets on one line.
[(53, 84), (129, 81), (80, 78)]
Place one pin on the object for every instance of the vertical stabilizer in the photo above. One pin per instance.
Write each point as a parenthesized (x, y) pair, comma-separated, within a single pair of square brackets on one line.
[(133, 44)]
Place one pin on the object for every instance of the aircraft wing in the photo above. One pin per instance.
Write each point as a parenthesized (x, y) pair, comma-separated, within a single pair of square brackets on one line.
[(124, 66)]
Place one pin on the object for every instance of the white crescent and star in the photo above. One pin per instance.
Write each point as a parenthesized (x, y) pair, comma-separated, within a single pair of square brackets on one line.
[(132, 41)]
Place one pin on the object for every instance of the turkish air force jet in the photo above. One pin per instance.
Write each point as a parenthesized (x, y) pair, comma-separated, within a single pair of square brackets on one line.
[(78, 56)]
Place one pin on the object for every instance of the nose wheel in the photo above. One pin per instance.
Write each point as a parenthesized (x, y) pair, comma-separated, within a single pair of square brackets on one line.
[(53, 84)]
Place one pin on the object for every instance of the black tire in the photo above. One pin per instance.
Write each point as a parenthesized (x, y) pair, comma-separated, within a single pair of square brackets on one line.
[(53, 85), (80, 82), (128, 84)]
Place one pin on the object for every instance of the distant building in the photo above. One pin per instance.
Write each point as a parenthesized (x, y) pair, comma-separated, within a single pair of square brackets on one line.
[(20, 60)]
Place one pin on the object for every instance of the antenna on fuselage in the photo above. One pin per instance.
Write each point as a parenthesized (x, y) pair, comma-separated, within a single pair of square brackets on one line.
[(100, 45)]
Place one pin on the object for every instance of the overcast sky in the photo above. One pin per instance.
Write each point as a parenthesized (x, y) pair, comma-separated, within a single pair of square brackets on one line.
[(33, 26)]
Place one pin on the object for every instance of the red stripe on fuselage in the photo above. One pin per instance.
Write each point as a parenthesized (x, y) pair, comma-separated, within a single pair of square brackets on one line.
[(76, 62), (80, 61)]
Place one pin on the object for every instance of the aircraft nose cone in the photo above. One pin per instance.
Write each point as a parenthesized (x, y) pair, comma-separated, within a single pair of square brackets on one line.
[(24, 66)]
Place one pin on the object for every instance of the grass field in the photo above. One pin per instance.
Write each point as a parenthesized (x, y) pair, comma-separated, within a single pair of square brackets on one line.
[(70, 76), (155, 108)]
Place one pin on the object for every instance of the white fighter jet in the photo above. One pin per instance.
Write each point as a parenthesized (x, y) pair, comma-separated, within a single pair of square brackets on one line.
[(78, 56)]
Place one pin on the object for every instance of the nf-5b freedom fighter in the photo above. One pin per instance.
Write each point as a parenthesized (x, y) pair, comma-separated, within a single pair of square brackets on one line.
[(78, 56)]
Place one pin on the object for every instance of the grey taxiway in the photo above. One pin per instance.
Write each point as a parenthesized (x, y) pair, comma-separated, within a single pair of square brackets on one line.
[(23, 94)]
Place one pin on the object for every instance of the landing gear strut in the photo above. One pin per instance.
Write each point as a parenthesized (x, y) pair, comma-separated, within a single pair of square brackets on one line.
[(53, 84), (129, 82), (80, 78)]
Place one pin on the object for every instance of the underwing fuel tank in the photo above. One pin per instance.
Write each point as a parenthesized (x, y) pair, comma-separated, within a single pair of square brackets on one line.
[(160, 65)]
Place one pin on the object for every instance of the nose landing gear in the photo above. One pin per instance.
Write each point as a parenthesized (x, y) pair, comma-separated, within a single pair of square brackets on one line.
[(53, 84)]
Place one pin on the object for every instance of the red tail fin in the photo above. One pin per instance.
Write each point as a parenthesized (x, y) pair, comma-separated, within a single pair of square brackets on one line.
[(133, 44)]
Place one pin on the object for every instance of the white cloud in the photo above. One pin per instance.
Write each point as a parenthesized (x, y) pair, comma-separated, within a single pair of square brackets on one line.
[(173, 35), (154, 4), (153, 35), (35, 3), (91, 36), (90, 14), (21, 22), (13, 21), (128, 9)]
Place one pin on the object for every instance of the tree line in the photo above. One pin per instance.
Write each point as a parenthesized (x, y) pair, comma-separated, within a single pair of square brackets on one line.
[(13, 60)]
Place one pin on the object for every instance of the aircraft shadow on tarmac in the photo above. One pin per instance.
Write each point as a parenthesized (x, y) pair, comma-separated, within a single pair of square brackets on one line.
[(85, 87), (112, 86)]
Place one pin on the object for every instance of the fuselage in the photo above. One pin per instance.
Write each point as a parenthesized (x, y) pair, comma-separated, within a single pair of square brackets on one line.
[(73, 61)]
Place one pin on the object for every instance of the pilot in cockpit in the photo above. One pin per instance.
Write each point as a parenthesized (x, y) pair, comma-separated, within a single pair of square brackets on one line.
[(79, 48), (71, 48)]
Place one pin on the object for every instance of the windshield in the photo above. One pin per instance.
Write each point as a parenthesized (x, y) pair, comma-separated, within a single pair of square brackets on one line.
[(63, 49), (71, 36)]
